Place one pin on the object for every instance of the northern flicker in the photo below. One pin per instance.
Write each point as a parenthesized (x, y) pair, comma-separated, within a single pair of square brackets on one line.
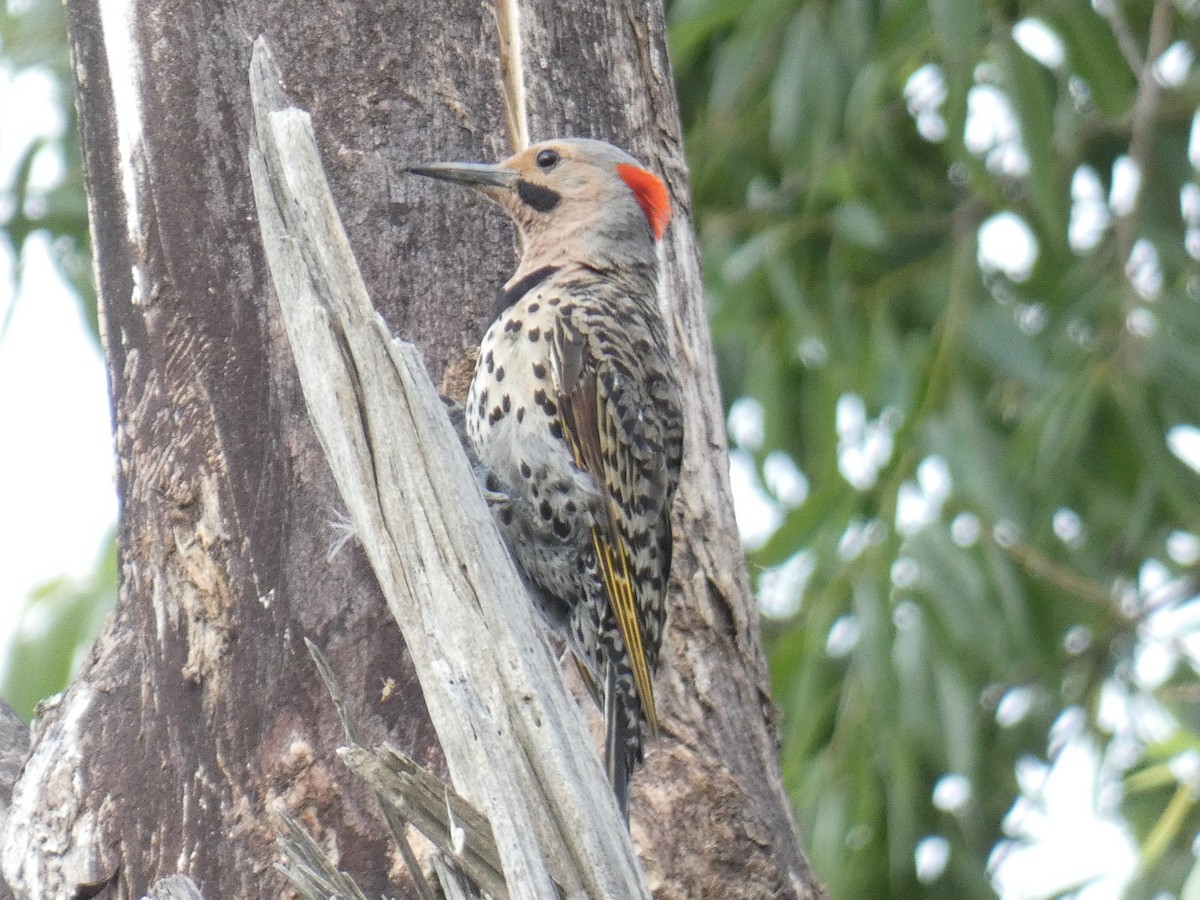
[(574, 411)]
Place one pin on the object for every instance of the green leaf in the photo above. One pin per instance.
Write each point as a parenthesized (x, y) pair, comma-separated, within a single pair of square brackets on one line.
[(1034, 97), (959, 30), (860, 224), (59, 621), (1092, 54)]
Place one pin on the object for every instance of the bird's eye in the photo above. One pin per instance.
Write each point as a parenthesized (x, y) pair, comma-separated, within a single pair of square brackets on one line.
[(547, 159)]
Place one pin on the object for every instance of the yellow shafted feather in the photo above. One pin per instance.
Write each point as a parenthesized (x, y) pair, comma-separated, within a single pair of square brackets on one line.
[(614, 568)]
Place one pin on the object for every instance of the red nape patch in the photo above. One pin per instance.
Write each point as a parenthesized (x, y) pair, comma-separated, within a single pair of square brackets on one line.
[(651, 195)]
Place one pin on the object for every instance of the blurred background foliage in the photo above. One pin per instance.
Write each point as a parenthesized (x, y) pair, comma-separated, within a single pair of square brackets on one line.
[(33, 41), (950, 249), (42, 195)]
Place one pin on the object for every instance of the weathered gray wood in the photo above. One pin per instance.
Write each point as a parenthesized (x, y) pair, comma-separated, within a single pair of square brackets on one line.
[(514, 739), (446, 819), (454, 885), (308, 867), (14, 750), (175, 887), (396, 821)]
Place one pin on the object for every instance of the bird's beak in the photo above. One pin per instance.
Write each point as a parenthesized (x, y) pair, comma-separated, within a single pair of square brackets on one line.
[(474, 174)]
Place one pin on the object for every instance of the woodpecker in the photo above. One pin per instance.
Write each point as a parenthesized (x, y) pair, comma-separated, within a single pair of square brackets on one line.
[(574, 411)]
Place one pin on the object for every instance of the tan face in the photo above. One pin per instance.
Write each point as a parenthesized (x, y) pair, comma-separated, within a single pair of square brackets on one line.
[(570, 189), (554, 174), (568, 186)]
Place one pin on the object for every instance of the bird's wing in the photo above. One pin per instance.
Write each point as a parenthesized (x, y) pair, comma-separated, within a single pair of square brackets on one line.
[(603, 447)]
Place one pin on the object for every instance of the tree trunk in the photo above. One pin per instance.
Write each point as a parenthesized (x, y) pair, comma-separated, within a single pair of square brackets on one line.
[(199, 710)]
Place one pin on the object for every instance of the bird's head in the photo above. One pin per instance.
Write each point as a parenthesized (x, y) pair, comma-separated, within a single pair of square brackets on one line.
[(574, 200)]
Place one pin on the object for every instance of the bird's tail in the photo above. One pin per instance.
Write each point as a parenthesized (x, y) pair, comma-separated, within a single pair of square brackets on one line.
[(622, 734)]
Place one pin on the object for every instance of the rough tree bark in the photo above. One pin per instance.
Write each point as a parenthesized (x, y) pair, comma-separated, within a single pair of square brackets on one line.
[(199, 708)]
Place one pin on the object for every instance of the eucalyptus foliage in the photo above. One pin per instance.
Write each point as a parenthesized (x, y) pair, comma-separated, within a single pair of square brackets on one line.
[(987, 528)]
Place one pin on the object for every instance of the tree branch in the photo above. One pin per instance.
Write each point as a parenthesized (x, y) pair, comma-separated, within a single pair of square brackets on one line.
[(174, 887), (1145, 108), (1126, 42)]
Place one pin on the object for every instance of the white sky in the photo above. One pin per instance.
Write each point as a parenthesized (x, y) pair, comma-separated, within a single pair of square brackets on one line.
[(57, 495)]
